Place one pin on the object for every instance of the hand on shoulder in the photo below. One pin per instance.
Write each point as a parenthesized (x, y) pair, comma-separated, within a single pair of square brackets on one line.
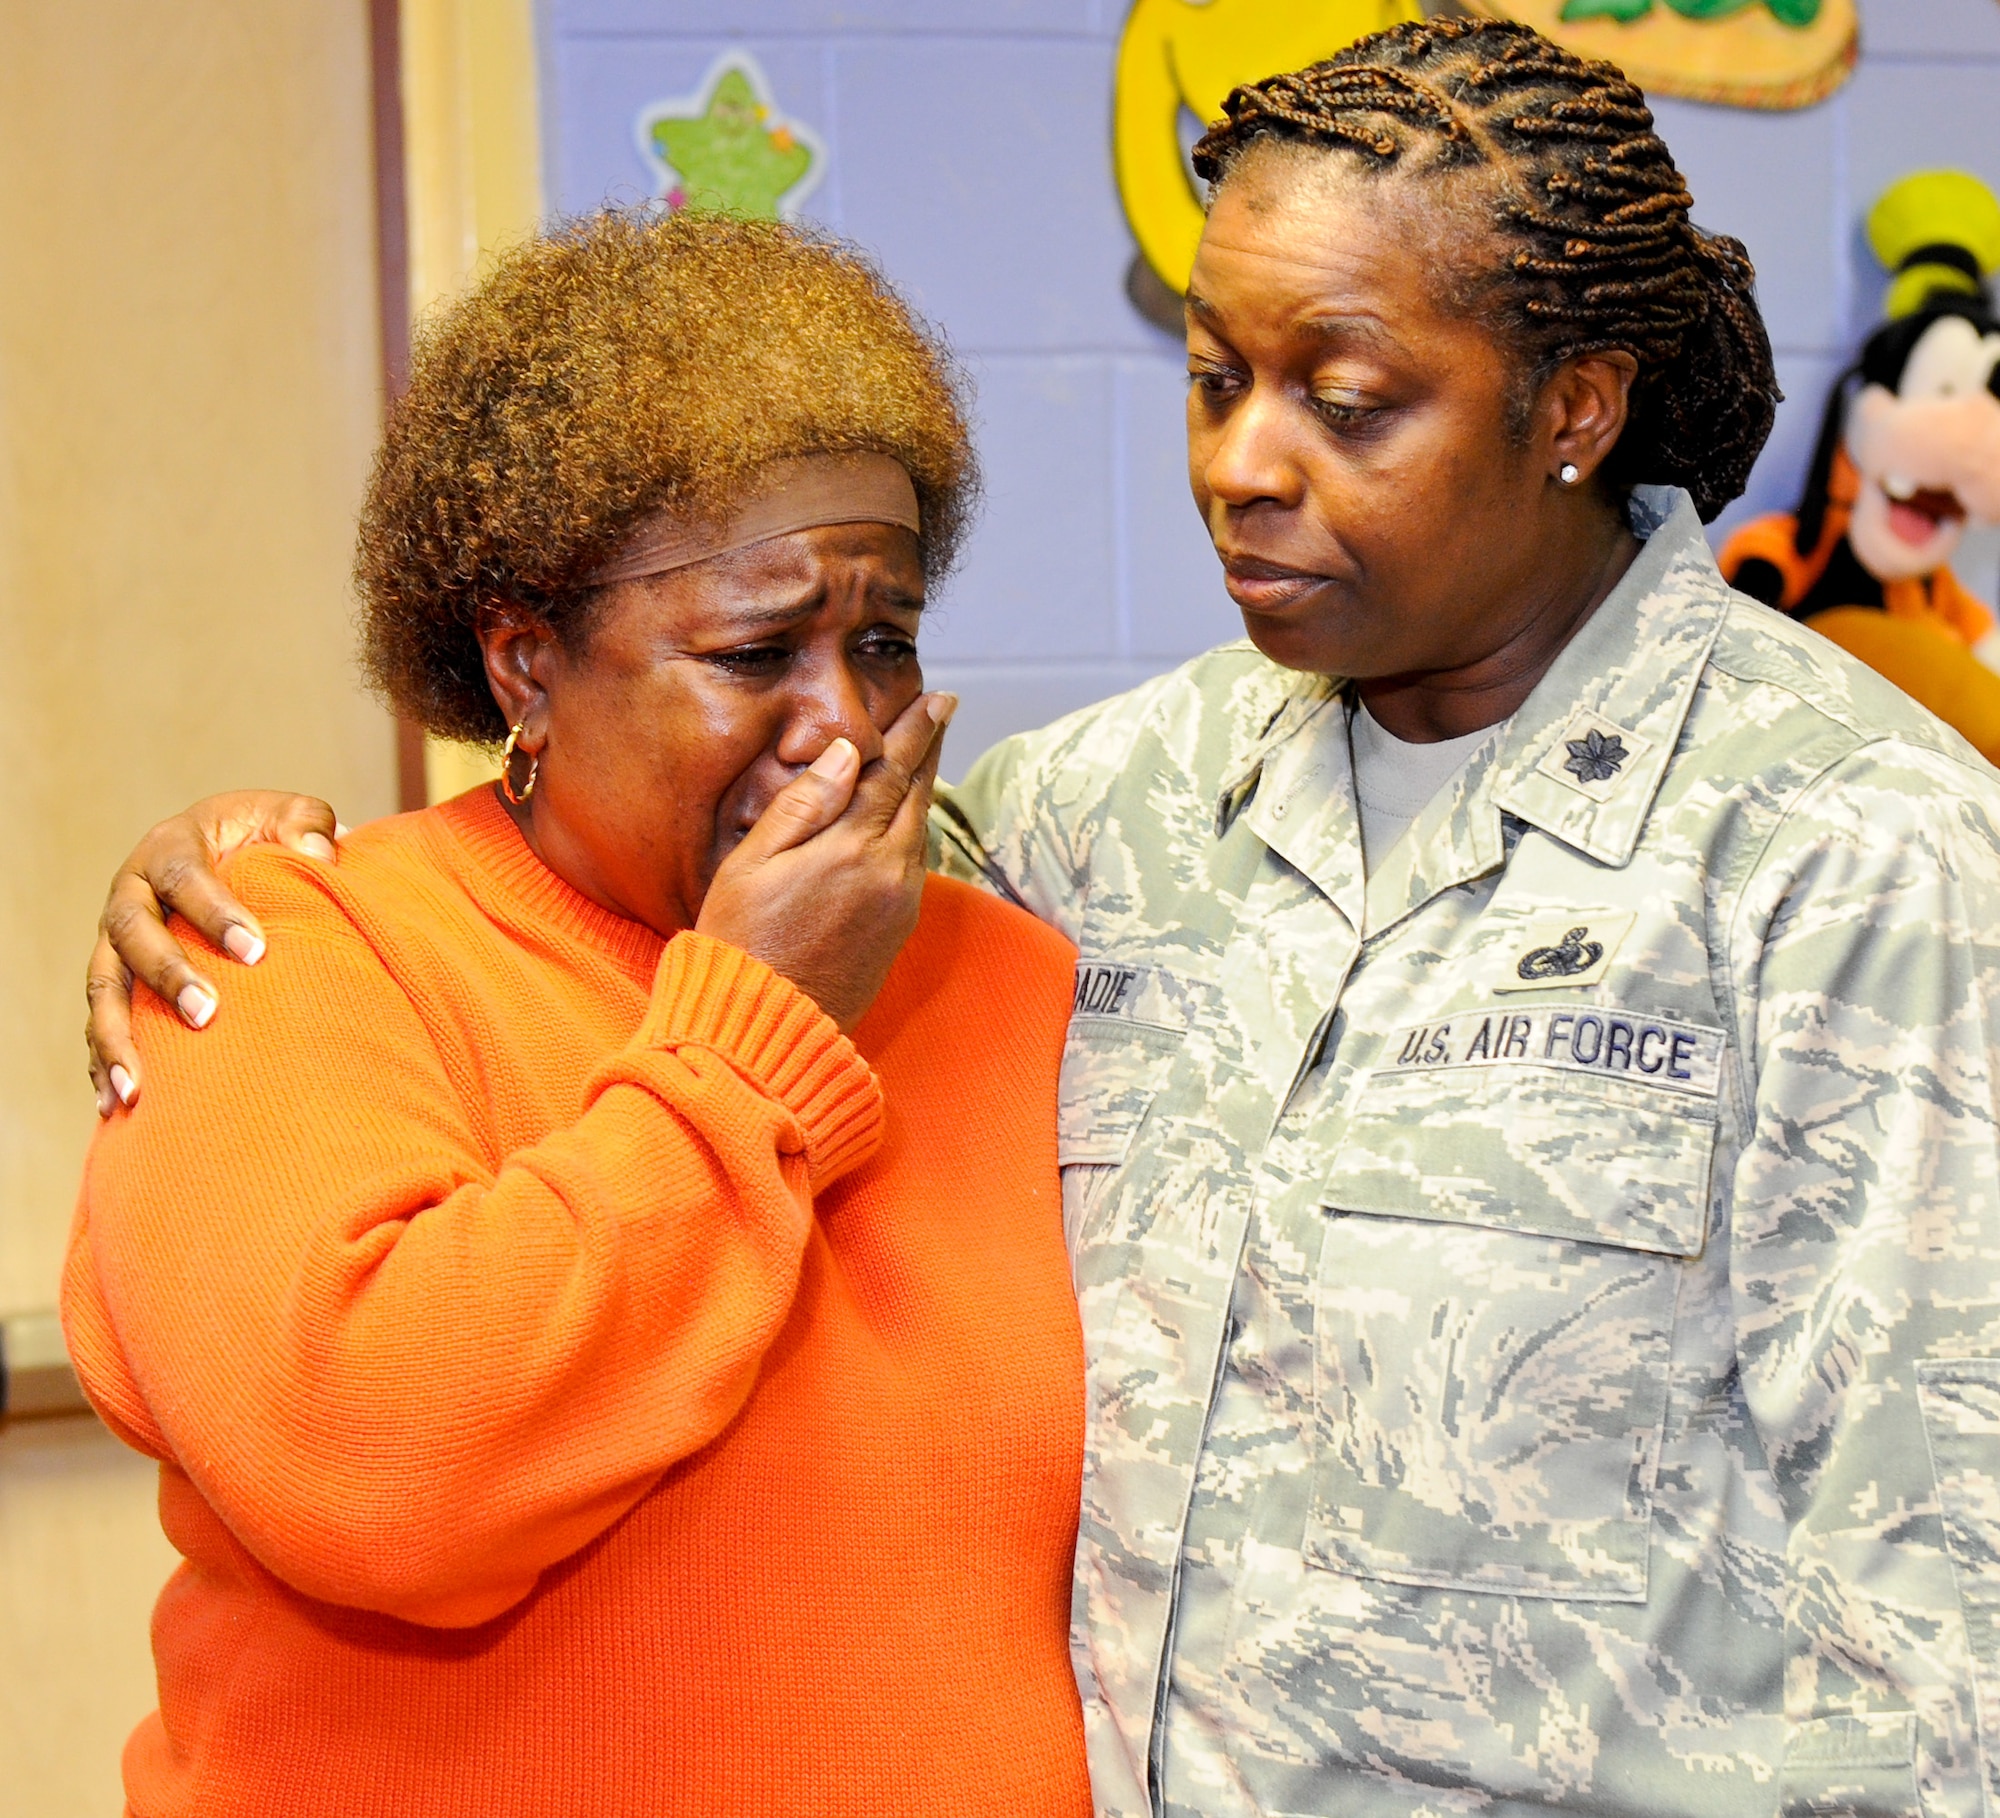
[(174, 870)]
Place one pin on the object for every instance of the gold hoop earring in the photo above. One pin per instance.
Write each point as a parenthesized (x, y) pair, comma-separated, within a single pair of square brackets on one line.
[(507, 767)]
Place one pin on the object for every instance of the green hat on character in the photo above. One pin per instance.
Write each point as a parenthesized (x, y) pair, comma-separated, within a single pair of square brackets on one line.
[(1938, 231)]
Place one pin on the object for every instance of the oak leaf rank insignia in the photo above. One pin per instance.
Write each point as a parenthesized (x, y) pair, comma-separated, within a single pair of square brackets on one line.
[(1595, 758)]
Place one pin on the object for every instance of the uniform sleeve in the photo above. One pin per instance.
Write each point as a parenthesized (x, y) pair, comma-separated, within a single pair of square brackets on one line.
[(1866, 1272), (1029, 822), (998, 830), (410, 1381), (1023, 821)]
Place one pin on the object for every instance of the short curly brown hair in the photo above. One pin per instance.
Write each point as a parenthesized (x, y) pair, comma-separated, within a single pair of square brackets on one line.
[(619, 363)]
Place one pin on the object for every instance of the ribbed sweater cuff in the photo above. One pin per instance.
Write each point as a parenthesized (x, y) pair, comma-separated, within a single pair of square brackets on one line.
[(708, 994)]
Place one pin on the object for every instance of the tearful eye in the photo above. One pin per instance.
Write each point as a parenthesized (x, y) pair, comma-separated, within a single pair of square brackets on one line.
[(759, 660)]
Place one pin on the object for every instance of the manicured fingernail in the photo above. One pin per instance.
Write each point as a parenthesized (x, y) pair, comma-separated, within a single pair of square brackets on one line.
[(942, 707), (104, 1101), (834, 759), (243, 945), (196, 1006), (339, 830), (317, 844), (121, 1083)]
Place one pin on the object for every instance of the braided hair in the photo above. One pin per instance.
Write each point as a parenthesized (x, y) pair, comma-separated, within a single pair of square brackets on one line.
[(1600, 251)]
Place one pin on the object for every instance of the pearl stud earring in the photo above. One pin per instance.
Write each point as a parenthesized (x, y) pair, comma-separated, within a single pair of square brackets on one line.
[(1569, 473)]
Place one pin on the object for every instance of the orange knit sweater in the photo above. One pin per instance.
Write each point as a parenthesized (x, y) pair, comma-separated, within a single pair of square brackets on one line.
[(579, 1389)]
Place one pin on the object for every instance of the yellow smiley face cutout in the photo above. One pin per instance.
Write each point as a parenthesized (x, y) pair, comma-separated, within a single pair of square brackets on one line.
[(1180, 57), (1186, 55)]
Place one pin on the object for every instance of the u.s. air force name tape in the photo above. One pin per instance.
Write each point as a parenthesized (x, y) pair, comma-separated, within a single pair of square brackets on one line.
[(1577, 1038)]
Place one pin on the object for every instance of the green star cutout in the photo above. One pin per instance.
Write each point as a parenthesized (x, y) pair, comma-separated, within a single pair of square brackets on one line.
[(726, 158)]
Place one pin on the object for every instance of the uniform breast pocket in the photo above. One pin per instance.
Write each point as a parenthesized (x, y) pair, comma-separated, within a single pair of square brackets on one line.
[(1112, 1070), (1494, 1328)]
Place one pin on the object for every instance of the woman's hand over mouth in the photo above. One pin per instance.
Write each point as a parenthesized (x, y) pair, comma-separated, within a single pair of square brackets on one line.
[(825, 888)]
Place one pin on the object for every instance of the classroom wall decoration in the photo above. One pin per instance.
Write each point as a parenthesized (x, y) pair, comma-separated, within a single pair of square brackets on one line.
[(1178, 58), (1176, 61), (727, 146), (1741, 53)]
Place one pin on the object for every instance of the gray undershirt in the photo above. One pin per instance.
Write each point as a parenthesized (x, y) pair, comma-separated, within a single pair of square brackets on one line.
[(1394, 779)]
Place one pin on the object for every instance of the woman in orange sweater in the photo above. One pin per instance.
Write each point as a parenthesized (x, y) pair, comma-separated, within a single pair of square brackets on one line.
[(598, 1299)]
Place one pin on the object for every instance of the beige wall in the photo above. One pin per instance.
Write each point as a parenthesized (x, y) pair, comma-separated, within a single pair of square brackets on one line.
[(81, 1560), (473, 185), (188, 397)]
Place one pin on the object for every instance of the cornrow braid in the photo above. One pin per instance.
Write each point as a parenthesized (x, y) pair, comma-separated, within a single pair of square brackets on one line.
[(1603, 254)]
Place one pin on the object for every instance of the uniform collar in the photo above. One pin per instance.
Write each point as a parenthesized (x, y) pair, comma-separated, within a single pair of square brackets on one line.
[(1301, 700), (1582, 759)]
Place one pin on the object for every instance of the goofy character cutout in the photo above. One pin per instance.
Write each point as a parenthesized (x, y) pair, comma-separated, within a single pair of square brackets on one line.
[(1900, 470)]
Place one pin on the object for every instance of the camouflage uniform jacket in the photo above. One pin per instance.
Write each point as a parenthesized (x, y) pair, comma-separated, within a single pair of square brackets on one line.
[(1619, 1167)]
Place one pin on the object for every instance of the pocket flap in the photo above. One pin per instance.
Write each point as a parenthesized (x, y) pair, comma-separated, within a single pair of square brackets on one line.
[(1558, 1154), (1852, 1767), (1112, 1070)]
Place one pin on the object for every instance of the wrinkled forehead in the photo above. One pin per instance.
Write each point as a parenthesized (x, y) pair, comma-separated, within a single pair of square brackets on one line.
[(783, 497), (782, 580)]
